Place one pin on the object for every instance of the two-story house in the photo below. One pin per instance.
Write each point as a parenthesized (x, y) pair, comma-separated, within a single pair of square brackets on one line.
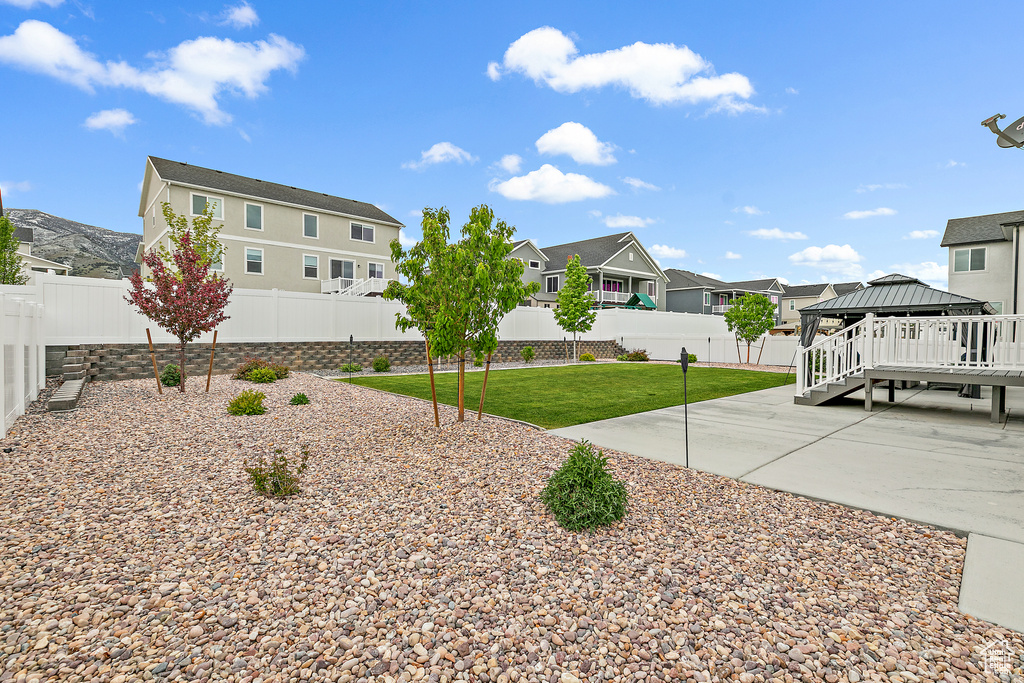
[(30, 263), (985, 259), (689, 292), (618, 265), (274, 236)]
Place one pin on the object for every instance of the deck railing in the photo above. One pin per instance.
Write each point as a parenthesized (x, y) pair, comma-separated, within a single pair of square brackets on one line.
[(978, 342), (721, 308)]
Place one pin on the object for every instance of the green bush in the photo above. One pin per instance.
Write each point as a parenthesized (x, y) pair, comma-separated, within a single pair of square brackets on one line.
[(249, 402), (276, 479), (582, 494), (171, 376), (381, 364), (252, 363), (587, 357), (637, 356), (622, 357), (262, 376), (528, 354), (692, 357), (351, 367), (300, 399)]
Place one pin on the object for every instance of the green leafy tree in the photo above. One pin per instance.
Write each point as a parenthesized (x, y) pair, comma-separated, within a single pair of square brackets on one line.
[(10, 259), (751, 316), (202, 235), (458, 292), (574, 301)]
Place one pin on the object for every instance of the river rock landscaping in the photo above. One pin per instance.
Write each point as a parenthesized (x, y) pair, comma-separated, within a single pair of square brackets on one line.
[(133, 547)]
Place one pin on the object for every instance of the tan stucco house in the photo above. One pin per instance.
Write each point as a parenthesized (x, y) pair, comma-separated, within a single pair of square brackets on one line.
[(274, 236), (34, 264)]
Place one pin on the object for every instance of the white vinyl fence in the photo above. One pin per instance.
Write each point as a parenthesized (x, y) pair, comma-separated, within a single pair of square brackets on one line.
[(93, 311), (22, 356)]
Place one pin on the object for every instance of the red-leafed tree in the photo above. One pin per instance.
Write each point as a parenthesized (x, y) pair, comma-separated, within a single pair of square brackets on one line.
[(186, 300)]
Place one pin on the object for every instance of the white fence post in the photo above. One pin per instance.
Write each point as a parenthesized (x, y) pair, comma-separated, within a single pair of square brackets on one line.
[(4, 379), (869, 338), (19, 360), (41, 350)]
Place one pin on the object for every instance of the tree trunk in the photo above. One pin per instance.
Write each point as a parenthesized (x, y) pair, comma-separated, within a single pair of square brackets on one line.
[(462, 386), (181, 384), (575, 356), (748, 353)]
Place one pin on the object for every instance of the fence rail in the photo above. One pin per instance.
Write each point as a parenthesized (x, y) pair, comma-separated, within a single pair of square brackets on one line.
[(22, 357)]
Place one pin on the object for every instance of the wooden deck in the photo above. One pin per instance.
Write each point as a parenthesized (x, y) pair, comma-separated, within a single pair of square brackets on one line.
[(997, 379)]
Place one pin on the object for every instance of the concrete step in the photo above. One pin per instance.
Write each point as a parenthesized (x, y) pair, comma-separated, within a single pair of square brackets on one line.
[(74, 375), (67, 395)]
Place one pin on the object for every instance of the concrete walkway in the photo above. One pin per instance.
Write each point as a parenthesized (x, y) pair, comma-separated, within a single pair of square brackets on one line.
[(931, 457)]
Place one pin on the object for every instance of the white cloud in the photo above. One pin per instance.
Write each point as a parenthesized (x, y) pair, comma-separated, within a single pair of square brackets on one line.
[(10, 187), (921, 234), (952, 164), (870, 213), (715, 276), (440, 153), (881, 186), (620, 221), (193, 74), (661, 73), (782, 280), (577, 141), (792, 91), (749, 210), (831, 258), (595, 213), (549, 185), (29, 4), (667, 252), (113, 120), (511, 163), (776, 234), (245, 136), (416, 213), (638, 184), (930, 272), (733, 255), (240, 16), (405, 240)]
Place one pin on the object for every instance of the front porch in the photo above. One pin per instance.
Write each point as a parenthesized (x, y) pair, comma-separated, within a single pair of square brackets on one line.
[(612, 291)]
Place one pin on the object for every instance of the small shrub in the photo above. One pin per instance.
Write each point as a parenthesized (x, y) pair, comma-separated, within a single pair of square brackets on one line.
[(587, 357), (622, 357), (280, 370), (692, 357), (381, 364), (249, 402), (252, 363), (276, 478), (171, 376), (351, 367), (300, 399), (528, 354), (262, 376), (582, 494), (637, 356)]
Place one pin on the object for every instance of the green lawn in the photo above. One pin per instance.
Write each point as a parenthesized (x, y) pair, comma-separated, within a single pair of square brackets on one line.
[(561, 396)]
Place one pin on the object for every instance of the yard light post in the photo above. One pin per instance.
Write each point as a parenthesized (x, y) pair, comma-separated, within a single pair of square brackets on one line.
[(350, 340), (684, 361)]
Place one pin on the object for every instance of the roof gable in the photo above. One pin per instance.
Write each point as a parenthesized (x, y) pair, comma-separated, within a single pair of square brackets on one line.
[(685, 279), (974, 229), (208, 178), (530, 245)]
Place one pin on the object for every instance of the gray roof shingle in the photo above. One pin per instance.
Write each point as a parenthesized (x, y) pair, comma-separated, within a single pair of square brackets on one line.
[(974, 229), (685, 279), (750, 285), (845, 287), (24, 235), (592, 252), (799, 291), (176, 171)]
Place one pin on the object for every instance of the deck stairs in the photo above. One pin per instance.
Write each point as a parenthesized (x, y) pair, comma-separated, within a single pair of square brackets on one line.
[(831, 391)]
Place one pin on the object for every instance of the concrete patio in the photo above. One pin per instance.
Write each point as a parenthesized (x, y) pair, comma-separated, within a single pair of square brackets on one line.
[(931, 457)]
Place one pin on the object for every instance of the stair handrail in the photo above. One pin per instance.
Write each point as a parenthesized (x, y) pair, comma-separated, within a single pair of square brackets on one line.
[(836, 357)]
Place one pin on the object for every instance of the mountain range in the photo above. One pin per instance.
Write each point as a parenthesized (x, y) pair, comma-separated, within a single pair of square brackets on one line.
[(89, 250)]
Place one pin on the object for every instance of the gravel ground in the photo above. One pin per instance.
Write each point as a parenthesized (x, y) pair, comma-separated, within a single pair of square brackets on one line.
[(132, 548)]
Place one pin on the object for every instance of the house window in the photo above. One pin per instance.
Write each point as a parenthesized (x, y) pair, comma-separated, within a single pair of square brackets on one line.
[(535, 265), (254, 216), (707, 298), (375, 270), (792, 304), (310, 226), (253, 261), (612, 285), (552, 284), (652, 289), (199, 202), (965, 260), (363, 233), (775, 300), (997, 305), (343, 269), (311, 267)]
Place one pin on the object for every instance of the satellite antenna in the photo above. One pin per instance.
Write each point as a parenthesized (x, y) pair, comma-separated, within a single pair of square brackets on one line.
[(1011, 136)]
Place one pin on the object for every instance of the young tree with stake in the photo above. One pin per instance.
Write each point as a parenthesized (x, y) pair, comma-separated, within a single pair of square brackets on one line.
[(751, 316), (185, 298), (574, 301)]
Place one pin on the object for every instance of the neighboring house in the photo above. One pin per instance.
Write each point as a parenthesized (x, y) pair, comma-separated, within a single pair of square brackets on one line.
[(30, 263), (689, 292), (985, 258), (798, 296), (275, 236), (618, 265)]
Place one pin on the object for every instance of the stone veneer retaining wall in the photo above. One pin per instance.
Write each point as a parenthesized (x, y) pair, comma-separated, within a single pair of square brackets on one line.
[(131, 361)]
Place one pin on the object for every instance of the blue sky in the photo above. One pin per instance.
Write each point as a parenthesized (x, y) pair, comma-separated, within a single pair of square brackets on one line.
[(806, 141)]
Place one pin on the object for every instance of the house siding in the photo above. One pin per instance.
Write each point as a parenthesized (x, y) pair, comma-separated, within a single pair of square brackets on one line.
[(687, 301), (995, 283)]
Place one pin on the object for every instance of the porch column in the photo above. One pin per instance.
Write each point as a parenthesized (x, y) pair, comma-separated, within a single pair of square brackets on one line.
[(630, 290), (600, 286)]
